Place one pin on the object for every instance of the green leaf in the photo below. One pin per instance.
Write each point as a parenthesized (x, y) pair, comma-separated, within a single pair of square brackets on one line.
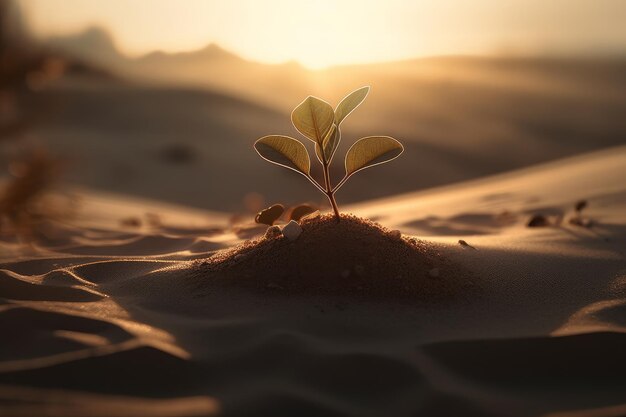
[(370, 151), (330, 145), (313, 118), (349, 103), (318, 153), (284, 151)]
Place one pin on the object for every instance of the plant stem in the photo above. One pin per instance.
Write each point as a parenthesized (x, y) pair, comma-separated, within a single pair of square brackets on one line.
[(329, 191), (331, 198)]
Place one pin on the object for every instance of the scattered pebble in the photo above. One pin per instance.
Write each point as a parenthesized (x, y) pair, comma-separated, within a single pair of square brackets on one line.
[(298, 212), (272, 232), (131, 222), (270, 214), (538, 220), (579, 219), (292, 230), (396, 234), (434, 272), (465, 244)]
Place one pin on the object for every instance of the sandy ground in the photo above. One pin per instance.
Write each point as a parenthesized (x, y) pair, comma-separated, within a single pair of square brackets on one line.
[(102, 317)]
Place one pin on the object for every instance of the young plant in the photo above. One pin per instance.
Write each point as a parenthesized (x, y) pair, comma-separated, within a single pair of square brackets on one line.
[(318, 122)]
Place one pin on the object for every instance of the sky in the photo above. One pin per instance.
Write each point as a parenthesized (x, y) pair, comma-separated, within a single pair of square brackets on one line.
[(320, 33)]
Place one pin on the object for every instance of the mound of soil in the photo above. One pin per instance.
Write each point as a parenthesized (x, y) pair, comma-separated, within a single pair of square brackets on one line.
[(355, 257)]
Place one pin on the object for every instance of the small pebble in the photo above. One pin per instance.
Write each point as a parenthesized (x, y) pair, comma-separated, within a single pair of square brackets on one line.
[(131, 222), (345, 273), (359, 270), (465, 244), (239, 256), (538, 220), (272, 232), (580, 205), (269, 215), (292, 230), (297, 213), (396, 234), (434, 272)]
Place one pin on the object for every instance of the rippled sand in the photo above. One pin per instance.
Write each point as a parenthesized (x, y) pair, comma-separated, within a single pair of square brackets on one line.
[(101, 318)]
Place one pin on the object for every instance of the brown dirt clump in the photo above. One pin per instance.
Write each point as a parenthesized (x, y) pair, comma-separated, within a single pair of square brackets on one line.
[(355, 257)]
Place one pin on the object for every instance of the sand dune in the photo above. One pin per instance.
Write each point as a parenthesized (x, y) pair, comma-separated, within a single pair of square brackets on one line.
[(105, 317), (191, 117)]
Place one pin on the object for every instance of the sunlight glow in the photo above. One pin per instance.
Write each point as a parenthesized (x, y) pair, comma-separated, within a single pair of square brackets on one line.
[(319, 33)]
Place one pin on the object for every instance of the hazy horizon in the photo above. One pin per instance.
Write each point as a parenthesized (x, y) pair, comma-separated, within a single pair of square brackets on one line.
[(458, 117), (397, 31)]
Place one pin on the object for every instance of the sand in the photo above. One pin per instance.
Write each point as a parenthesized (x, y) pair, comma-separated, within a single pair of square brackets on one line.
[(354, 258), (102, 316)]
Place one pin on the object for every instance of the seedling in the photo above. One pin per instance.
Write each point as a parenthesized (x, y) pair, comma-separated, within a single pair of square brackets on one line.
[(318, 122)]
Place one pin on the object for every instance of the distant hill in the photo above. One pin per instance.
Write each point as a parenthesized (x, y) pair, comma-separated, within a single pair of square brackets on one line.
[(209, 54), (284, 85), (93, 44), (210, 67)]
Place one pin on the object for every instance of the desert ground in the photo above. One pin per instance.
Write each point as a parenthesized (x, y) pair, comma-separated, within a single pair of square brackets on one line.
[(482, 273), (115, 318)]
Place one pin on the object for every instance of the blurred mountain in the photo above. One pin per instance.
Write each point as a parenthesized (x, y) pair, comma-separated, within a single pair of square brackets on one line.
[(284, 85), (209, 67), (207, 55), (94, 45)]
